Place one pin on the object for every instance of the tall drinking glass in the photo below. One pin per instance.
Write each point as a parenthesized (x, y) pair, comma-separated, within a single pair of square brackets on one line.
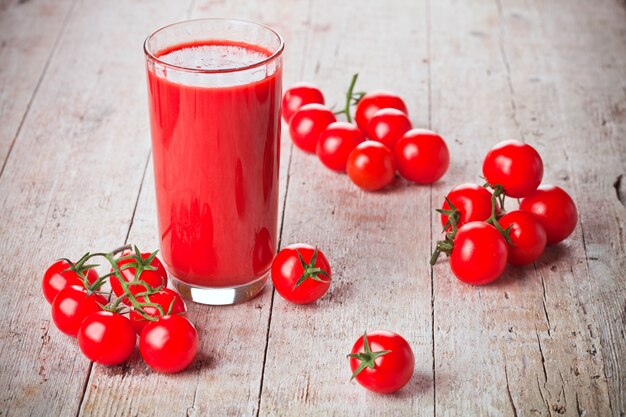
[(214, 90)]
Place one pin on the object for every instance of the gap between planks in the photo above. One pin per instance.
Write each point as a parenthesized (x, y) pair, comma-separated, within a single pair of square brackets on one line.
[(53, 50)]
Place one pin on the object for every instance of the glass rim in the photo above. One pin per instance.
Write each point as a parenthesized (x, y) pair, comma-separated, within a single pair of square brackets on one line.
[(150, 54)]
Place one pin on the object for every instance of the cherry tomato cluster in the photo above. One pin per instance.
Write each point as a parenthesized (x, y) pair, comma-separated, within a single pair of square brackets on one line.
[(381, 361), (481, 237), (381, 142), (107, 324)]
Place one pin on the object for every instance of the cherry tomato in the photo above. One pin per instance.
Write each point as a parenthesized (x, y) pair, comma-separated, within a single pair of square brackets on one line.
[(106, 338), (165, 298), (527, 235), (335, 144), (301, 273), (514, 165), (387, 126), (479, 255), (554, 209), (297, 96), (155, 278), (374, 101), (422, 156), (308, 123), (472, 202), (71, 305), (169, 345), (58, 277), (382, 361), (371, 166)]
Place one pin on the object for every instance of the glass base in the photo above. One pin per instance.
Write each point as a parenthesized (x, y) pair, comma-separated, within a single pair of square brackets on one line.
[(220, 296)]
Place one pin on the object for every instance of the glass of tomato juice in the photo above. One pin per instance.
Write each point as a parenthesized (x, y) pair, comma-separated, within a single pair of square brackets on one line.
[(214, 92)]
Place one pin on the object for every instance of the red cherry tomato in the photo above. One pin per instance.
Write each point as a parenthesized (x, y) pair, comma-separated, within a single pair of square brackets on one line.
[(554, 209), (374, 101), (387, 126), (297, 96), (308, 123), (57, 277), (301, 273), (165, 298), (422, 156), (479, 255), (155, 278), (473, 203), (371, 166), (71, 305), (335, 144), (169, 345), (514, 165), (106, 338), (527, 235), (382, 361)]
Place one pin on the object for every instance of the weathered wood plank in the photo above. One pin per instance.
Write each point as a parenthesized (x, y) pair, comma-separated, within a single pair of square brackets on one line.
[(28, 39), (525, 339), (69, 186), (375, 242), (225, 379), (568, 77)]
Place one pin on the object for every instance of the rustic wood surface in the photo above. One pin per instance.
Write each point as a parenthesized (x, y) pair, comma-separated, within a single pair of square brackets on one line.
[(545, 340)]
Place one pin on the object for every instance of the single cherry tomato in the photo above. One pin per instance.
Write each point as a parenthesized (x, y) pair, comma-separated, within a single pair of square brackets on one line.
[(335, 144), (301, 273), (528, 237), (155, 277), (387, 126), (422, 156), (374, 101), (71, 305), (471, 203), (480, 253), (382, 361), (106, 338), (58, 276), (297, 96), (169, 345), (514, 165), (554, 209), (371, 166), (169, 300), (308, 123)]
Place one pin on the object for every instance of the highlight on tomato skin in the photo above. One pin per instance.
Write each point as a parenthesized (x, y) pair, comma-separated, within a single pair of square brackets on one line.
[(336, 143), (514, 165), (479, 255), (422, 156), (371, 166), (373, 101), (106, 338), (297, 96), (555, 209), (308, 123)]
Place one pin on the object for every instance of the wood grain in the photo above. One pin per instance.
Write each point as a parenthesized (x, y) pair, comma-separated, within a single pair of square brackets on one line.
[(545, 340), (25, 55), (69, 186), (378, 249)]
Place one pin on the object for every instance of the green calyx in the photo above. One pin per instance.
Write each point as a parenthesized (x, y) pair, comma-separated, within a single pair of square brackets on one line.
[(310, 270), (367, 358)]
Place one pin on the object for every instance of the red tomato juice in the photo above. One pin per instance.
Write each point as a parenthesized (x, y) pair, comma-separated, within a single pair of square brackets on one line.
[(216, 159)]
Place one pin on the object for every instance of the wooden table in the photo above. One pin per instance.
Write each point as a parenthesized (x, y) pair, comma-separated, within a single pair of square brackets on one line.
[(545, 340)]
